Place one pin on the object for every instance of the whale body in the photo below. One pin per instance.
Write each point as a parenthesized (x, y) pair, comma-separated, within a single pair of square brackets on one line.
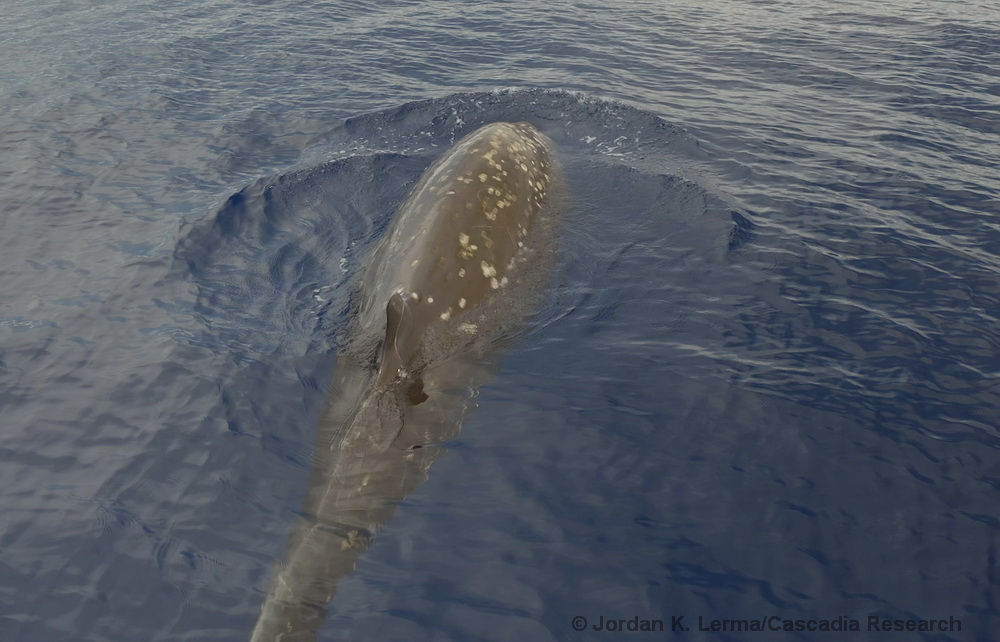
[(433, 290)]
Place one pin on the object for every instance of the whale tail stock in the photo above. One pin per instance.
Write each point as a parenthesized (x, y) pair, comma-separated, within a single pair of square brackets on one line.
[(362, 470)]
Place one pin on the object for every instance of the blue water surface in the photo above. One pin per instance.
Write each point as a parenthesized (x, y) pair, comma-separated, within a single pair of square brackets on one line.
[(763, 382)]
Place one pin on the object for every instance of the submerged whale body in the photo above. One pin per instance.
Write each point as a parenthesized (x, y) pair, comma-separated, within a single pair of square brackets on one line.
[(434, 286)]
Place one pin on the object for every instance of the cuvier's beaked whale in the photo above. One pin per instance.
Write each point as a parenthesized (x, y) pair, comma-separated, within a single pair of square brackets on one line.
[(434, 282)]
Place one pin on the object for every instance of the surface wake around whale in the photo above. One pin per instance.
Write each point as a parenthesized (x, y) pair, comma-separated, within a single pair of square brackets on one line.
[(438, 292)]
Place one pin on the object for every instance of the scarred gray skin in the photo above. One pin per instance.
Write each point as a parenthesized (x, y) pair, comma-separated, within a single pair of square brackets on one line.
[(455, 237), (430, 284)]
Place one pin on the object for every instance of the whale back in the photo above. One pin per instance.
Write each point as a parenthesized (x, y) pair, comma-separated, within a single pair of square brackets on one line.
[(435, 284), (454, 240)]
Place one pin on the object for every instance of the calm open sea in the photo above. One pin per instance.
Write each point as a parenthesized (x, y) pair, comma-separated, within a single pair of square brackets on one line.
[(765, 380)]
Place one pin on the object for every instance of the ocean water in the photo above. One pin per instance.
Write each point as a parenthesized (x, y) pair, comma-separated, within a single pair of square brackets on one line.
[(763, 383)]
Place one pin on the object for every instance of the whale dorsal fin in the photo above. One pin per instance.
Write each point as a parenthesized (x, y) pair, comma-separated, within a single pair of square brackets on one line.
[(398, 328), (398, 348)]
